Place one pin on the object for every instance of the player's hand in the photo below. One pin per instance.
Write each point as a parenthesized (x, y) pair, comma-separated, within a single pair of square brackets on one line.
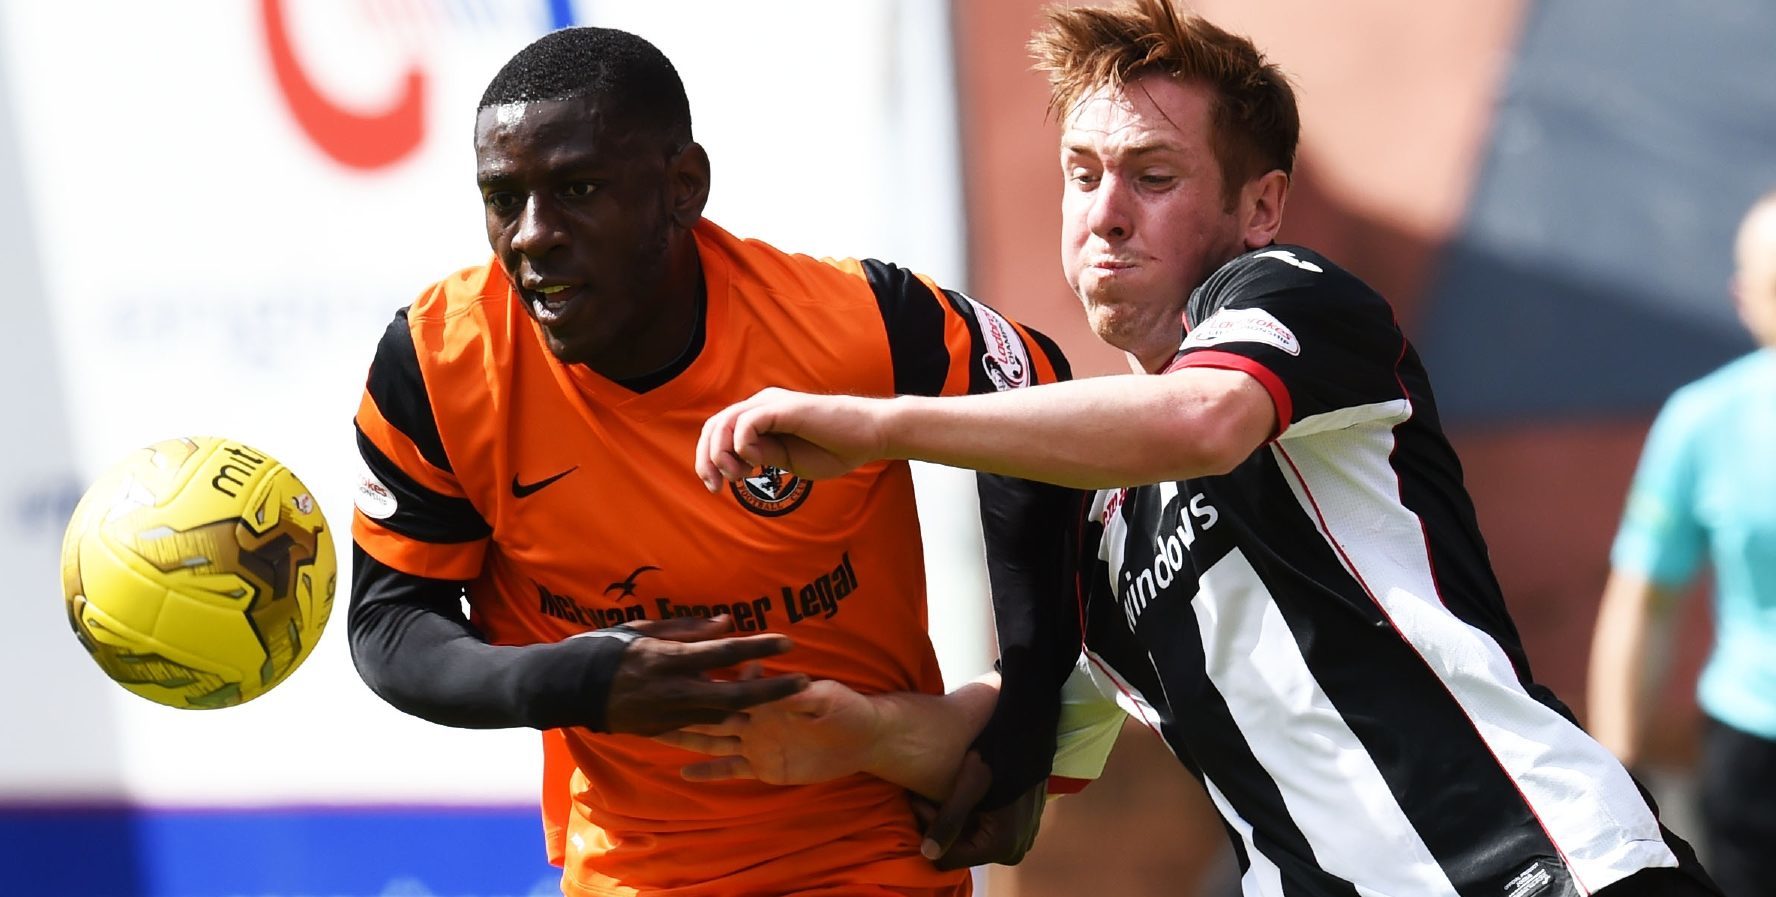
[(808, 435), (821, 733), (958, 836), (664, 679)]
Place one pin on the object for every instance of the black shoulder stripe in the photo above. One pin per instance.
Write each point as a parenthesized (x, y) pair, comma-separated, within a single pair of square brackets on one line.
[(978, 380), (398, 389), (421, 513), (1052, 349), (915, 324)]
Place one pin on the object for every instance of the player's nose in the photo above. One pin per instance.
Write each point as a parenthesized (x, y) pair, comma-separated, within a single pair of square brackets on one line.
[(1110, 215), (539, 229)]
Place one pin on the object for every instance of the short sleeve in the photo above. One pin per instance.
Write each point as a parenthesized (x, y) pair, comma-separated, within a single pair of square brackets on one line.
[(1323, 345), (1660, 537), (945, 342), (410, 513)]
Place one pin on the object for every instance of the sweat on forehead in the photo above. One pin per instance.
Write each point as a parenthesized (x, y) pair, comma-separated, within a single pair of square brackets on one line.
[(1155, 118), (626, 74)]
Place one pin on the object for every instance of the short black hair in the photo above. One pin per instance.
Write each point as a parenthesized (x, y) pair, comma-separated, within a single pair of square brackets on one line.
[(611, 65)]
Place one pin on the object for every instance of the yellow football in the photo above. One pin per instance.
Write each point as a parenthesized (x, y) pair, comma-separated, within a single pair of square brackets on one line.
[(198, 572)]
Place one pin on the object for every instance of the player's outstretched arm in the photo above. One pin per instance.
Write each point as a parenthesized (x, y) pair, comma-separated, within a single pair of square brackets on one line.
[(1091, 434), (829, 730), (816, 436), (414, 648)]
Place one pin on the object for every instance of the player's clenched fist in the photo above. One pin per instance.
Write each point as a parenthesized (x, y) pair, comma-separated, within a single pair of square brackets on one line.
[(812, 436)]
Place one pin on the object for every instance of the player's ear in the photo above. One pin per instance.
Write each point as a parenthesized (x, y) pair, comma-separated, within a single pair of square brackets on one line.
[(1261, 204), (688, 177)]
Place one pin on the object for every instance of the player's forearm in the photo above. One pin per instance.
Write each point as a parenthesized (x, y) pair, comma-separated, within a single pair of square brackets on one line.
[(923, 737), (414, 650), (1094, 433), (1030, 534), (458, 680)]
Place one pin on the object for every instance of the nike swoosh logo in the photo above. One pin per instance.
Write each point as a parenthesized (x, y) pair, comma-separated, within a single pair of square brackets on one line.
[(524, 490)]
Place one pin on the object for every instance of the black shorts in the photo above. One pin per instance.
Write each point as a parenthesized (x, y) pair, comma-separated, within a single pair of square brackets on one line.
[(1663, 882), (1737, 785)]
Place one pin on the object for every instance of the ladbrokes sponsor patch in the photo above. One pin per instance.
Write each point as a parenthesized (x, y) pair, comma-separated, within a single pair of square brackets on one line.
[(1243, 325), (1007, 360), (373, 498)]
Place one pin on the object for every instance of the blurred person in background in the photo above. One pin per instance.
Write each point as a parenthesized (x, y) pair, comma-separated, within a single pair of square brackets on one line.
[(1281, 572), (523, 431), (1705, 494)]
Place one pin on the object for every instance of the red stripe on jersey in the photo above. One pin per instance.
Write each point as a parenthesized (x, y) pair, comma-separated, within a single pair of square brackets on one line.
[(1279, 394)]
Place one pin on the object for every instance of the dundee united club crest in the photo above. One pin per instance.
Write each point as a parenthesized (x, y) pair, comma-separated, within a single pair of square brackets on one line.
[(772, 492)]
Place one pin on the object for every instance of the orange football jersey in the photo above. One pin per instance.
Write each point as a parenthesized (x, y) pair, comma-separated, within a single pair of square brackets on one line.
[(568, 503)]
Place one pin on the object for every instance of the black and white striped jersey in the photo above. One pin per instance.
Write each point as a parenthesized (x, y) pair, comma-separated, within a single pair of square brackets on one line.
[(1319, 637)]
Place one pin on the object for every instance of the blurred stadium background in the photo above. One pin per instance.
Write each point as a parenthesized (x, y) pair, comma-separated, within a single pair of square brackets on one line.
[(215, 207)]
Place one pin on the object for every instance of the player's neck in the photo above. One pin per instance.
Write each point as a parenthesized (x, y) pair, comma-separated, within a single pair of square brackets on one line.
[(693, 346)]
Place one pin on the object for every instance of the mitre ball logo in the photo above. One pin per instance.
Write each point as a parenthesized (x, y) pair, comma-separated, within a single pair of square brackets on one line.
[(198, 572)]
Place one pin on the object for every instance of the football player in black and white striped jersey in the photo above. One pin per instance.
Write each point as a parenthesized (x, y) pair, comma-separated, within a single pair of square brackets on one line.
[(1281, 572)]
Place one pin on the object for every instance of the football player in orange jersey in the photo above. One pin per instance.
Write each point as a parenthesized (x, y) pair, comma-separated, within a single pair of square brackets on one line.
[(522, 430)]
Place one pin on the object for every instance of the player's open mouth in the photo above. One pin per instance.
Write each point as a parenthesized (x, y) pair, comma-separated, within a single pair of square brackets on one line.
[(551, 304)]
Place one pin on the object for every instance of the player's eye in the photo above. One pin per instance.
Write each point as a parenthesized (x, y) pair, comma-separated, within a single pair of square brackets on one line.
[(1157, 180), (1084, 178), (579, 189), (500, 201)]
